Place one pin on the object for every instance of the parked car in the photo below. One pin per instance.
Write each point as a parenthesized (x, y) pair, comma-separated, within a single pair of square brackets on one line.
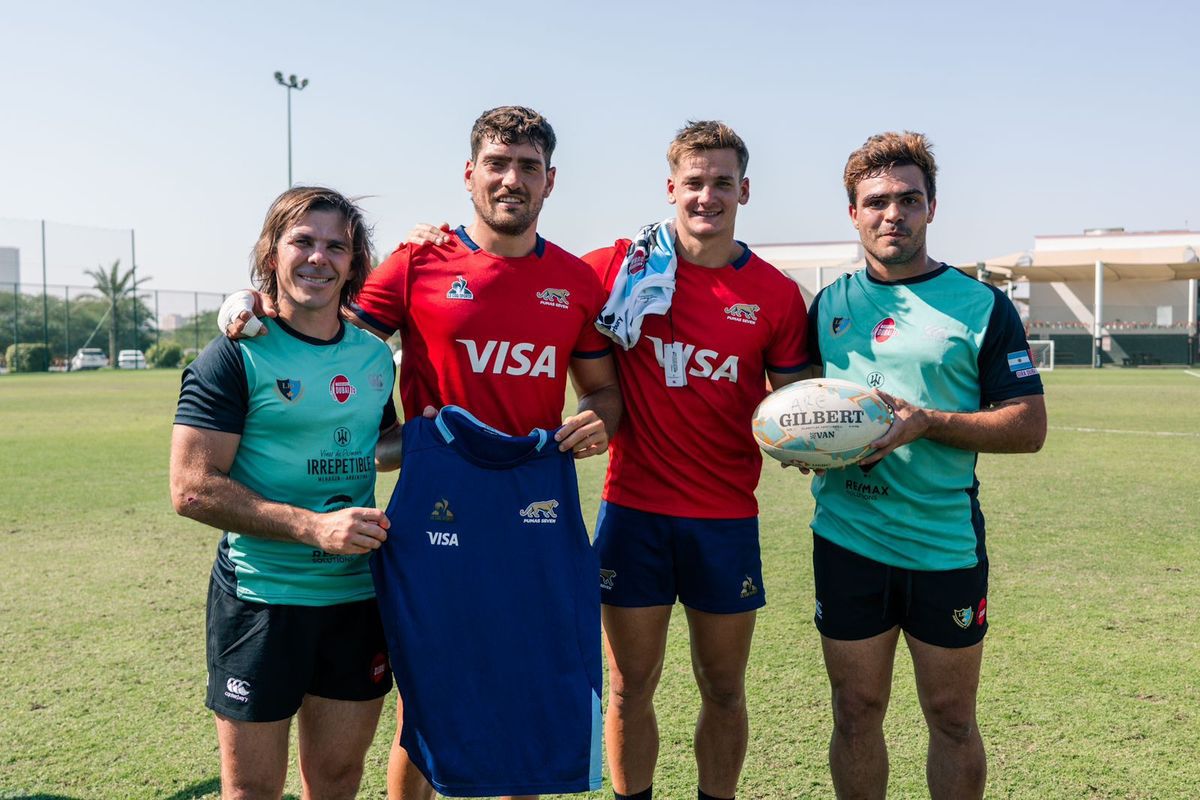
[(131, 359), (89, 358)]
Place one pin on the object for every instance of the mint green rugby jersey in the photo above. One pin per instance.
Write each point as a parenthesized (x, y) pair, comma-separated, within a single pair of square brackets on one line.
[(943, 341), (309, 413)]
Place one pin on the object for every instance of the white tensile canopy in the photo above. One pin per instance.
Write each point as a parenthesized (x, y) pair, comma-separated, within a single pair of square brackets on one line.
[(1100, 266)]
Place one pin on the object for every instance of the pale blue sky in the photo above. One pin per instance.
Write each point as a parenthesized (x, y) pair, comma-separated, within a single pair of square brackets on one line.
[(1047, 117)]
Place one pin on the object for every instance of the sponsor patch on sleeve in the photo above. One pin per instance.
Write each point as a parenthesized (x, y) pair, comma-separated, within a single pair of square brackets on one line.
[(1021, 363)]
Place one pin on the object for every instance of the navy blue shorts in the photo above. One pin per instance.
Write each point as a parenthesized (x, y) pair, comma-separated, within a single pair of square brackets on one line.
[(263, 659), (711, 565), (858, 598)]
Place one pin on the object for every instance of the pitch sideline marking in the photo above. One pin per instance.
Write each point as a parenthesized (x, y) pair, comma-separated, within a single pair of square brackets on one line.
[(1193, 374), (1110, 430)]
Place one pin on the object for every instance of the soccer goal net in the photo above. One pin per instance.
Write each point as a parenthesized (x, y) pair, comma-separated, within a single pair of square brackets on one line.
[(1043, 354)]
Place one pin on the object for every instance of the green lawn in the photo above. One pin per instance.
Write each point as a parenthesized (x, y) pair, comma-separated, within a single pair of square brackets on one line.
[(1091, 683)]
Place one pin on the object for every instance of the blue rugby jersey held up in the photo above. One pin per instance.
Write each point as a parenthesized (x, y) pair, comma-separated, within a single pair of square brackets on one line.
[(488, 589)]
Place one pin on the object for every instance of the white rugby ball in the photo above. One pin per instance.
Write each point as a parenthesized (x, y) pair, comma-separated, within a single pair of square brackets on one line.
[(824, 423)]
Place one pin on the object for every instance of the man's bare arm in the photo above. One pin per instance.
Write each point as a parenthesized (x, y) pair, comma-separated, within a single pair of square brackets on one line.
[(389, 449), (1011, 426), (588, 431), (201, 489)]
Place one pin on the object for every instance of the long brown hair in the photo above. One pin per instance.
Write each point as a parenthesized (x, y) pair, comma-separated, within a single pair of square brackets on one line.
[(285, 212)]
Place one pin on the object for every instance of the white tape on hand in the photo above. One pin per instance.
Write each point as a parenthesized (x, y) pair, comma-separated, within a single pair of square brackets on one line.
[(233, 306)]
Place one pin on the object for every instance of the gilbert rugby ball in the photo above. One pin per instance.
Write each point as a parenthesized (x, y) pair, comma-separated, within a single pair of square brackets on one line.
[(822, 423)]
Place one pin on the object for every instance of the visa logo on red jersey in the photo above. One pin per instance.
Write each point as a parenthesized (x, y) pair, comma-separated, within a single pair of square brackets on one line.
[(702, 363), (510, 358)]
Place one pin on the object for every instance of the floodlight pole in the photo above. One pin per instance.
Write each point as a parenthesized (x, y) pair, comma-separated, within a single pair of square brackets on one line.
[(45, 300), (137, 340), (290, 84)]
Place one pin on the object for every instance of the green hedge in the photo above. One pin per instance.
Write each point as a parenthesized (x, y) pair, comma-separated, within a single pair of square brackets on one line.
[(165, 354), (28, 358)]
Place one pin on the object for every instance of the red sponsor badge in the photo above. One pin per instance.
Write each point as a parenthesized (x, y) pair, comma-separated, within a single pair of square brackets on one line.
[(981, 617), (341, 389), (885, 330)]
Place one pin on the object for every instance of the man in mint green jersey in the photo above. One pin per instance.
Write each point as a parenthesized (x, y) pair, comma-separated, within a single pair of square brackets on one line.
[(899, 538), (276, 442)]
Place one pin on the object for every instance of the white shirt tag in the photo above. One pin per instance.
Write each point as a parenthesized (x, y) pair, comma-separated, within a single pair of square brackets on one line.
[(673, 364)]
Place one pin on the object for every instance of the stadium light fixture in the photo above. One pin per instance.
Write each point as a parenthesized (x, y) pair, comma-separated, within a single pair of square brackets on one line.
[(290, 83)]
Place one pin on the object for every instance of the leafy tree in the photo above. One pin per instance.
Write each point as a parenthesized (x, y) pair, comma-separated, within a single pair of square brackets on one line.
[(114, 287)]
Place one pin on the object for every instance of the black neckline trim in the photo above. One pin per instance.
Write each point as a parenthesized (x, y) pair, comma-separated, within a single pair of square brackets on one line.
[(928, 276), (290, 331)]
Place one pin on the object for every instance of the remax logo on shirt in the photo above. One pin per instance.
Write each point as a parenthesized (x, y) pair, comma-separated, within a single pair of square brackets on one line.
[(341, 389), (510, 358), (702, 363), (884, 330)]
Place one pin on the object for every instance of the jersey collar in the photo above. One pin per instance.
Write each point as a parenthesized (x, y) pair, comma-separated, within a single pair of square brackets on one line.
[(290, 331), (927, 276), (539, 246)]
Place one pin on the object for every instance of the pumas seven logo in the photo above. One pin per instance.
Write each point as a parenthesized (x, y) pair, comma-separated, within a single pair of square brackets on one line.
[(555, 298), (341, 389), (743, 312), (541, 511)]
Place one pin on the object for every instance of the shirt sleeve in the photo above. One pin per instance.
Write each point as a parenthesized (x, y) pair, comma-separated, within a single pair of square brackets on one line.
[(389, 417), (788, 351), (382, 301), (814, 333), (215, 394), (1006, 368), (592, 343)]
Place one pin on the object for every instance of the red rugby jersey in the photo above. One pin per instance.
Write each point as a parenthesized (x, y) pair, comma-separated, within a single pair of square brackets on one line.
[(688, 451), (488, 333)]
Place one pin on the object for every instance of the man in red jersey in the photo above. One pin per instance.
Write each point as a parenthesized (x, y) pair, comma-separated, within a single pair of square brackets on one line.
[(674, 524), (494, 317)]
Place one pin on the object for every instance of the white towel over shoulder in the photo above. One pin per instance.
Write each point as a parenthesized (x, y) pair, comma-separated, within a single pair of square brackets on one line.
[(644, 284)]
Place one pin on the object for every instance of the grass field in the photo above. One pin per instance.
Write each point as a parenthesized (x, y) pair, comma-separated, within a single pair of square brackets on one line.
[(1091, 685)]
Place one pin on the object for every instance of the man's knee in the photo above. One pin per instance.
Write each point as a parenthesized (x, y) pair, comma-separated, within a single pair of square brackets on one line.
[(633, 687), (952, 718), (858, 713), (244, 786), (333, 777), (723, 690), (953, 722)]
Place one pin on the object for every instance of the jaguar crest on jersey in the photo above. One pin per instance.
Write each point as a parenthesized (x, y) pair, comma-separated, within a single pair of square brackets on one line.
[(555, 298), (459, 290), (606, 578), (743, 312), (541, 511)]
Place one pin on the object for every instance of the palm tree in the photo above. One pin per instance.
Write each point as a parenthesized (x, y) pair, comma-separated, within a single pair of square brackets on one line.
[(114, 287)]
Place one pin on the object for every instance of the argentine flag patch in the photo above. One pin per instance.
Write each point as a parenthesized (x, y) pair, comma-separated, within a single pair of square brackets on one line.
[(1021, 364)]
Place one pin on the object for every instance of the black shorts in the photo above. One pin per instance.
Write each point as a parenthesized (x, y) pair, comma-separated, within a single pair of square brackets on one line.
[(263, 659), (858, 598)]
